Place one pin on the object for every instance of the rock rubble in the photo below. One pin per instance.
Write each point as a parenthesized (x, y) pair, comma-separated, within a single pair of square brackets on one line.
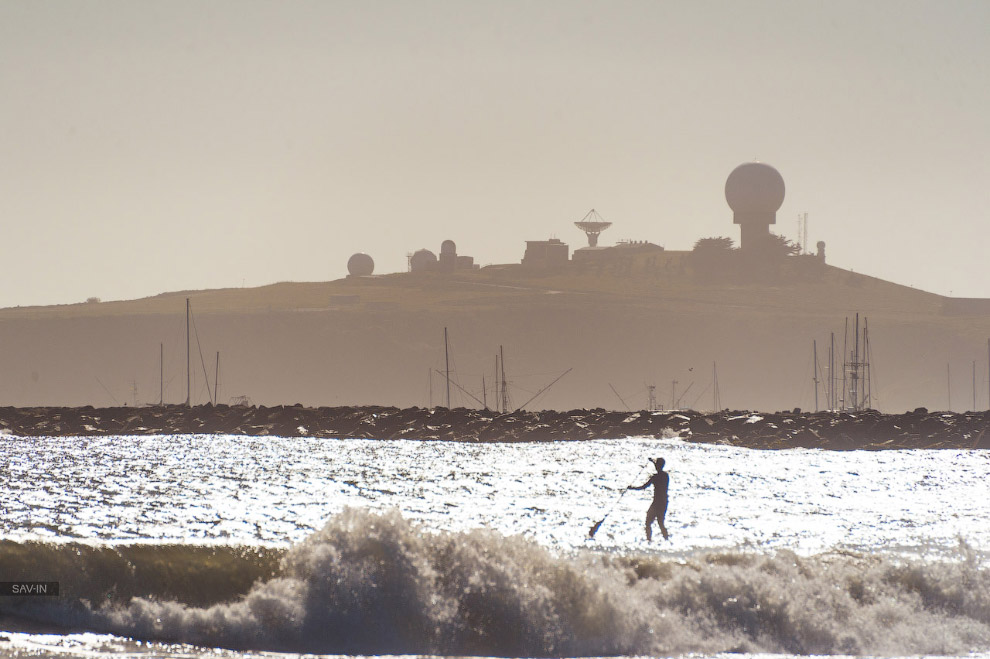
[(781, 430)]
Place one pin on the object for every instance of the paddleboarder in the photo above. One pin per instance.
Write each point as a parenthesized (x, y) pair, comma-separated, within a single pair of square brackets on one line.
[(658, 509)]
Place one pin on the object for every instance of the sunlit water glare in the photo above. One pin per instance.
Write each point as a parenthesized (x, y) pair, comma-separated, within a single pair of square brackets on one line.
[(273, 490), (279, 492)]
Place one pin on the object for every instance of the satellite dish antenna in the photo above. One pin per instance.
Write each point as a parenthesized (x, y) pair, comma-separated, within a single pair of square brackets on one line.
[(592, 224)]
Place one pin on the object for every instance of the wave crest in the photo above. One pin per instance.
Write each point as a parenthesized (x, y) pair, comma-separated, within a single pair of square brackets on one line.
[(376, 584)]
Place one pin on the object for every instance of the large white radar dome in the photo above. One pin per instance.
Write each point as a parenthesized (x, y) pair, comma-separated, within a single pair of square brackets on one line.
[(423, 259), (754, 188), (360, 265)]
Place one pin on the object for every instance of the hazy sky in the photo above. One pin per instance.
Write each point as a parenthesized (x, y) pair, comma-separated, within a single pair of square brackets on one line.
[(155, 146)]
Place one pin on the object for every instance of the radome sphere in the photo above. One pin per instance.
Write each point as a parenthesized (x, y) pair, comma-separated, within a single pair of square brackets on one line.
[(360, 265), (754, 188), (422, 259)]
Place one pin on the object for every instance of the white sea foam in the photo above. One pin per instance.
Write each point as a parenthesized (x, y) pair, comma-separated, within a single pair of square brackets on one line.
[(376, 584)]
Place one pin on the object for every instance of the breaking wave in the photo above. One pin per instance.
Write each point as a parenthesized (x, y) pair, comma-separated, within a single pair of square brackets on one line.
[(376, 584)]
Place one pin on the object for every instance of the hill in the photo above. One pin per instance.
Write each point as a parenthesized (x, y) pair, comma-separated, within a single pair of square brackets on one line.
[(660, 319)]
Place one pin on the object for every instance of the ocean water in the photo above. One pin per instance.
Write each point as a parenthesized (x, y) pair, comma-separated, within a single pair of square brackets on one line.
[(245, 546)]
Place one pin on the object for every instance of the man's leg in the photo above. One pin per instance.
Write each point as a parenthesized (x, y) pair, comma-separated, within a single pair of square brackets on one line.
[(650, 516), (661, 514)]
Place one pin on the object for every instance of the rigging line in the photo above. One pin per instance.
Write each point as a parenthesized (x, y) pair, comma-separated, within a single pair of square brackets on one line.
[(206, 375), (199, 392), (451, 365), (683, 394), (698, 397), (107, 390), (543, 389), (618, 396), (462, 389), (533, 374)]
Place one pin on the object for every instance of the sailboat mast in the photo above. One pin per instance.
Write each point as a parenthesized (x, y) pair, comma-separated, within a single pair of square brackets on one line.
[(504, 389), (498, 404), (831, 372), (216, 381), (715, 401), (814, 365), (161, 374), (446, 356), (866, 359), (845, 356), (188, 370), (856, 374)]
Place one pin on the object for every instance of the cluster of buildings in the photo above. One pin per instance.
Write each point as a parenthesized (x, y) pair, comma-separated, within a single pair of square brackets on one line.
[(754, 192), (424, 260)]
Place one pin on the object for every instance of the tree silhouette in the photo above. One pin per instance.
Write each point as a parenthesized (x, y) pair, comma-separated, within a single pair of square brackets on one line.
[(781, 246), (713, 245)]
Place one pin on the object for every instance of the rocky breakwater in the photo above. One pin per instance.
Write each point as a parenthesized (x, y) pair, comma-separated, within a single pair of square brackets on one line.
[(781, 430)]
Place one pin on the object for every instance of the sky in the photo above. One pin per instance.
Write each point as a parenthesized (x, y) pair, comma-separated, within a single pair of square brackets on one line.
[(148, 147)]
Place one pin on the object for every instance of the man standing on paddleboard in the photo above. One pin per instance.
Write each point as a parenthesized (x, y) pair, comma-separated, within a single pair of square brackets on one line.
[(658, 509)]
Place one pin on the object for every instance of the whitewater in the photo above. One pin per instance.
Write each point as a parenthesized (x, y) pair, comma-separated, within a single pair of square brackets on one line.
[(237, 546)]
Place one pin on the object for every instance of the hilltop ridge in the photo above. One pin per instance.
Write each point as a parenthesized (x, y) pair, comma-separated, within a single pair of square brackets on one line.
[(649, 319)]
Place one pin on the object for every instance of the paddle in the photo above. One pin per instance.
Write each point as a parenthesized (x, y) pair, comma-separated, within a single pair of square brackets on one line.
[(597, 525)]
